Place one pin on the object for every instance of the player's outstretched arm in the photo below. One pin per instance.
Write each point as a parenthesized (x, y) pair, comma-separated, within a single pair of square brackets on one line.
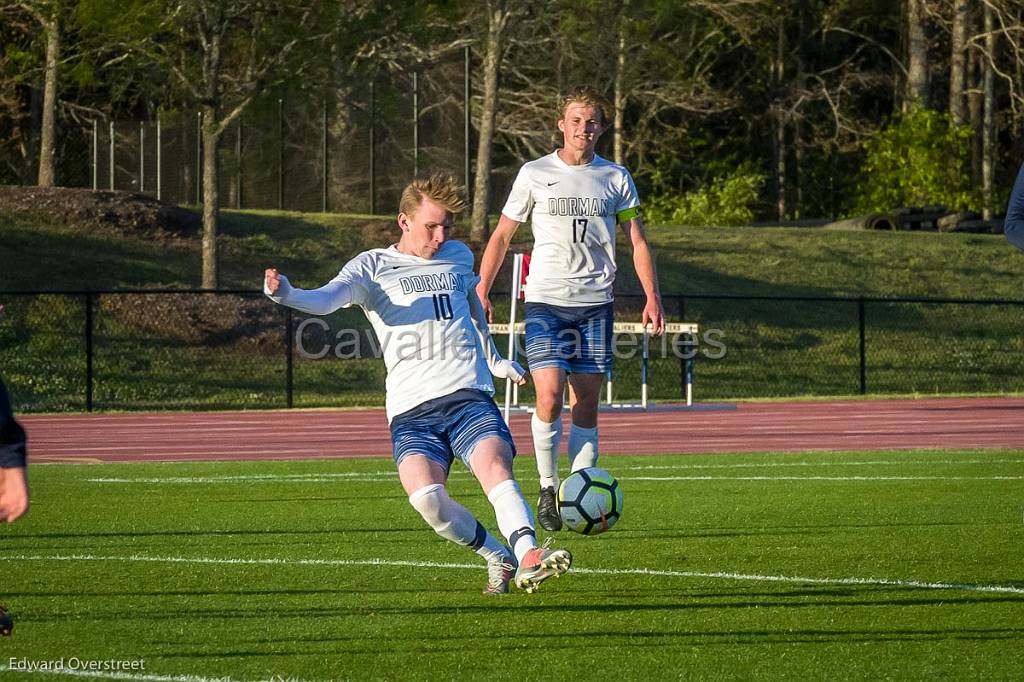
[(490, 262), (328, 298), (1014, 225), (13, 493), (13, 456), (643, 261), (499, 366)]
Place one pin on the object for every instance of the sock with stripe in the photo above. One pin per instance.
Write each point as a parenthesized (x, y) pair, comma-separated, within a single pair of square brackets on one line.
[(546, 438), (582, 447), (452, 521), (515, 520)]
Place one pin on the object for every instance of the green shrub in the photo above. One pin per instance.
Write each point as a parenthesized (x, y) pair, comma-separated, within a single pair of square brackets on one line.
[(920, 159), (724, 201)]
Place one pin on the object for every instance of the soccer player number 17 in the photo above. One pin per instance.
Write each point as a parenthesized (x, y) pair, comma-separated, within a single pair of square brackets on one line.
[(579, 230)]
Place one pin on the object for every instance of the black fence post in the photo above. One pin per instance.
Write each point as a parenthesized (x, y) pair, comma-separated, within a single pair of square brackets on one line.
[(280, 153), (373, 147), (861, 324), (324, 158), (289, 363), (465, 116), (88, 352), (415, 124)]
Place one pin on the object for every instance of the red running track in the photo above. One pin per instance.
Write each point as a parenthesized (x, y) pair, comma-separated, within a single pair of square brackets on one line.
[(749, 427)]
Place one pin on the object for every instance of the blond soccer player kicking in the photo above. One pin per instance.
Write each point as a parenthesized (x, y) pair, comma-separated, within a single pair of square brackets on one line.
[(575, 200), (419, 295)]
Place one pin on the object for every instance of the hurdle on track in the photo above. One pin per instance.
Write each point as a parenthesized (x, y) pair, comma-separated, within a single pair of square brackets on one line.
[(618, 328), (514, 328)]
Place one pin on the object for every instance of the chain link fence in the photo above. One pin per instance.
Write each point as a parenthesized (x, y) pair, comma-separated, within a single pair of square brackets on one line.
[(346, 151), (186, 350)]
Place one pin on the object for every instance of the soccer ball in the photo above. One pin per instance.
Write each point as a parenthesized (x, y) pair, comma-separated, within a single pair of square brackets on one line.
[(590, 501)]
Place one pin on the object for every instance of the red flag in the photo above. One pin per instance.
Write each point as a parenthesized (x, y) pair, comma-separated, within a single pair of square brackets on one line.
[(522, 276)]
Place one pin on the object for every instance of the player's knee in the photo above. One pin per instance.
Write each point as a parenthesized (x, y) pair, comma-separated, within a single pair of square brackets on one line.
[(584, 415), (549, 405), (431, 501)]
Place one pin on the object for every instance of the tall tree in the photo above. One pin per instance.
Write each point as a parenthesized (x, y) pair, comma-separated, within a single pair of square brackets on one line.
[(778, 116), (916, 87), (50, 16), (988, 156), (619, 92), (958, 60), (499, 14), (222, 54)]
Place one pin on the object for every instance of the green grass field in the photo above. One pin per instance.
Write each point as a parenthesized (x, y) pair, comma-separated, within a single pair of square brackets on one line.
[(859, 565)]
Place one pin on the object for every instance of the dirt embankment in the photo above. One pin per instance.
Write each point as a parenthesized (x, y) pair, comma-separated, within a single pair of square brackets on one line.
[(121, 212)]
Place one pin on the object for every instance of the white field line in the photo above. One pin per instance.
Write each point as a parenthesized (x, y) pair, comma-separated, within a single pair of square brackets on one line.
[(389, 475), (723, 575), (258, 478), (822, 478), (340, 478), (756, 465), (133, 677)]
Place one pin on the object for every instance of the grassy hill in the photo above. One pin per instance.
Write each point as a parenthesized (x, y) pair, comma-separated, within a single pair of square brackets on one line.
[(189, 352), (41, 254)]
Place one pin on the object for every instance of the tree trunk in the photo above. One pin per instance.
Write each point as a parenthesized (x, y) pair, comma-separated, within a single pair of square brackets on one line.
[(211, 141), (618, 148), (796, 126), (917, 56), (497, 20), (779, 149), (958, 62), (975, 105), (47, 177), (779, 121), (988, 154)]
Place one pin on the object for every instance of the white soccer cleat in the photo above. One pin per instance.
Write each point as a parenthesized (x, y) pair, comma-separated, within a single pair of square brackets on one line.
[(499, 575), (539, 564)]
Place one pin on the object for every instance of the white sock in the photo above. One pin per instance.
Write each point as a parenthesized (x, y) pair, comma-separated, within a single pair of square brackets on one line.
[(515, 520), (546, 438), (452, 521), (582, 447)]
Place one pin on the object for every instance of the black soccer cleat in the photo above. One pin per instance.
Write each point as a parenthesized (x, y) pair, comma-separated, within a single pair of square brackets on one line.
[(547, 510), (6, 624)]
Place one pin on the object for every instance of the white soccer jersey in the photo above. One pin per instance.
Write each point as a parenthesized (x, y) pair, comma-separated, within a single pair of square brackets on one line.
[(419, 311), (575, 211)]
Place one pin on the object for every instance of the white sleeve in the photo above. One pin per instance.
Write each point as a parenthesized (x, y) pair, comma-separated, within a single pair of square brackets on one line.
[(629, 197), (347, 288), (520, 199)]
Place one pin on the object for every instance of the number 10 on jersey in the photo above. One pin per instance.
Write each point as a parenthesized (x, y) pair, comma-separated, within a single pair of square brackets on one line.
[(443, 307)]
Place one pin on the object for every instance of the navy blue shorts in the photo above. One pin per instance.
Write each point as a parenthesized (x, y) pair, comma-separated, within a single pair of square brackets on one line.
[(448, 427), (576, 339)]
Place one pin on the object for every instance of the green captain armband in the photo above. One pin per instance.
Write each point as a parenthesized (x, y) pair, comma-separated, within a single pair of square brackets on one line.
[(628, 214)]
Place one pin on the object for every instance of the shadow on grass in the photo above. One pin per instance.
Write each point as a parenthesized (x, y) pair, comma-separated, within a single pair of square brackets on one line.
[(215, 533), (488, 606)]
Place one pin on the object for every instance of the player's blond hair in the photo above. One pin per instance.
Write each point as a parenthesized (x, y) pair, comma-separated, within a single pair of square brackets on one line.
[(584, 94), (441, 188)]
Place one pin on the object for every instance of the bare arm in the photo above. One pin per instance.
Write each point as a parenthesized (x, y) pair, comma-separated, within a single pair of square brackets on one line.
[(490, 262), (328, 298), (643, 262), (13, 493), (499, 366), (13, 479)]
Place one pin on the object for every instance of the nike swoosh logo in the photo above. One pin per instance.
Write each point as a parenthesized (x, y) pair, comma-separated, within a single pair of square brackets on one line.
[(554, 183)]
